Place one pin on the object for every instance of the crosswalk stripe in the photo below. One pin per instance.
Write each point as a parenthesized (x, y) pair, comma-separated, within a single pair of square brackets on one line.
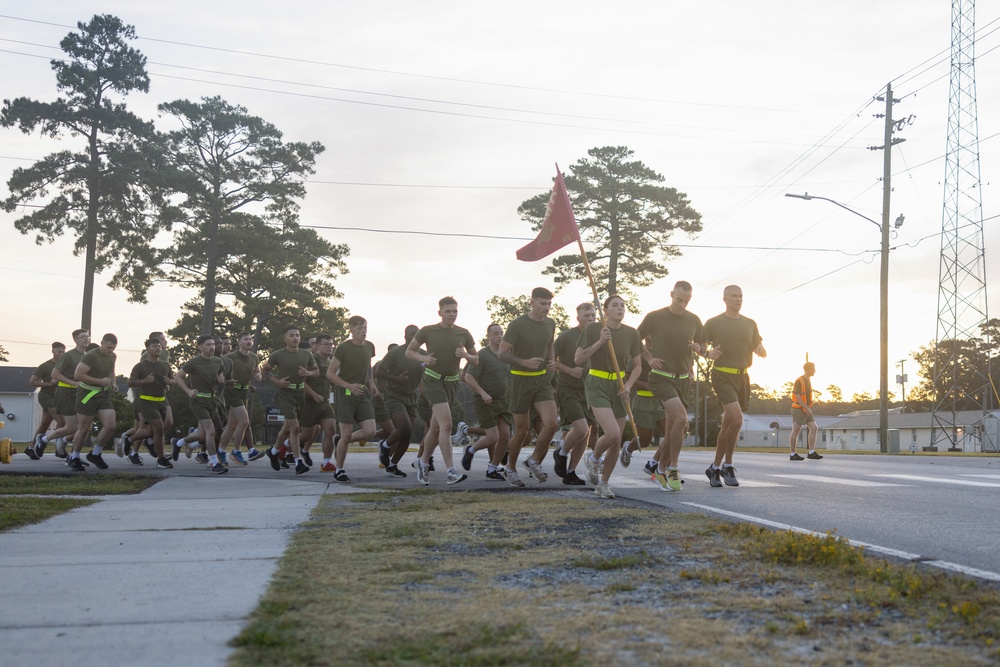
[(940, 480), (837, 480)]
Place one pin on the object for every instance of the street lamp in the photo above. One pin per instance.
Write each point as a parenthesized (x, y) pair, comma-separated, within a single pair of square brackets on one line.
[(883, 384)]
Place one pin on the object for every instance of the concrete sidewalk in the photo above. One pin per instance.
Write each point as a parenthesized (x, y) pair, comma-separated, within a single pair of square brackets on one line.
[(165, 577)]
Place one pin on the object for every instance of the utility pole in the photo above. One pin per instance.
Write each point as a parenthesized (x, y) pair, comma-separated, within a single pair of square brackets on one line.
[(901, 378)]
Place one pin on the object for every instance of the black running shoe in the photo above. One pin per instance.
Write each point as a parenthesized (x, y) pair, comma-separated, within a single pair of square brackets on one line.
[(729, 476), (289, 458), (383, 455), (650, 467), (573, 479), (713, 477), (30, 451), (151, 448), (430, 465), (812, 456), (301, 467), (164, 462), (495, 475), (76, 465), (176, 454), (97, 460), (273, 458), (467, 457), (135, 459), (219, 469), (306, 458), (560, 459), (394, 471), (201, 457), (341, 476), (795, 457)]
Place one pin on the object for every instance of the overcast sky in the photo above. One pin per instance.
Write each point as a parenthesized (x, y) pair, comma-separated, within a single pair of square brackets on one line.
[(443, 117)]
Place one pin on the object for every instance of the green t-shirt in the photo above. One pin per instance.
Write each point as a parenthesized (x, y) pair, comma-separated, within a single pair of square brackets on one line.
[(243, 367), (669, 335), (736, 337), (441, 343), (164, 356), (285, 364), (355, 361), (68, 362), (320, 384), (160, 370), (529, 338), (395, 362), (44, 373), (101, 365), (625, 340), (203, 374), (565, 349), (490, 373)]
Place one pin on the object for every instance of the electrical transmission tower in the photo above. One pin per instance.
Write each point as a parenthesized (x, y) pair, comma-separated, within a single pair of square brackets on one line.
[(961, 367)]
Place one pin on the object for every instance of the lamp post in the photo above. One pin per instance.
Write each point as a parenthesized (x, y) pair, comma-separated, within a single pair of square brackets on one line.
[(883, 385)]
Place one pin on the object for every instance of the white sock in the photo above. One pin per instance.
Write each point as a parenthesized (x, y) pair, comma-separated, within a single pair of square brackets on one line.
[(213, 459)]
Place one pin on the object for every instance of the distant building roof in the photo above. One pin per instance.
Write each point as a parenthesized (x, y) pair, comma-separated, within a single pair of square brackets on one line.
[(908, 420), (14, 379)]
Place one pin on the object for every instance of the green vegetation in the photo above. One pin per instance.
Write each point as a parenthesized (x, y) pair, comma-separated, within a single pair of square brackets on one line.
[(105, 484), (17, 512)]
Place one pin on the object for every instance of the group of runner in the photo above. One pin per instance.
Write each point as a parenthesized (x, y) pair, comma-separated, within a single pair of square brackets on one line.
[(596, 367)]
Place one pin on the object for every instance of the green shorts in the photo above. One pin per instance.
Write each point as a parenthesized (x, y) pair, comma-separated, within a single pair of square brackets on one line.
[(352, 408), (291, 402), (603, 393), (800, 417), (203, 407), (151, 410), (665, 388), (732, 388), (439, 391), (314, 413), (381, 412), (424, 409), (647, 410), (66, 401), (489, 414), (46, 401), (235, 398), (89, 402), (523, 391), (395, 404), (573, 406)]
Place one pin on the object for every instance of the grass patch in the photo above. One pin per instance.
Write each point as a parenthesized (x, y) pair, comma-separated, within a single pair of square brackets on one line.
[(17, 512), (487, 579), (104, 484)]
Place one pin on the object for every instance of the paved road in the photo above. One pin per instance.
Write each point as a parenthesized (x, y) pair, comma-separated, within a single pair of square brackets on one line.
[(941, 509)]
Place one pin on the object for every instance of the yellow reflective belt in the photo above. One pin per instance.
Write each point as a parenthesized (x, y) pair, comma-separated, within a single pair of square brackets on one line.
[(672, 376), (94, 391), (155, 399), (437, 376), (68, 386), (528, 373), (605, 375), (200, 395), (296, 386), (730, 371), (644, 392)]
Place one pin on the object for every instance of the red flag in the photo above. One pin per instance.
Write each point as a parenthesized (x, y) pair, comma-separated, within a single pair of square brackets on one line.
[(558, 229)]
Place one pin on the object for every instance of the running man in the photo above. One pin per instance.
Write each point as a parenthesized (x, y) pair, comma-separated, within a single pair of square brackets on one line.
[(318, 413), (488, 382), (293, 366), (604, 394), (734, 340), (402, 377), (802, 414), (573, 408), (446, 345), (42, 378), (243, 370), (64, 372), (149, 380), (350, 371), (95, 377), (198, 378), (527, 348), (673, 335)]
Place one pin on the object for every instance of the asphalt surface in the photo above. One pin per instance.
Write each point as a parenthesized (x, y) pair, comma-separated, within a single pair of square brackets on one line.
[(170, 582)]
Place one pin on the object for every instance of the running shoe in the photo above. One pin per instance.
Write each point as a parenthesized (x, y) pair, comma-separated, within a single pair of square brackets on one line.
[(430, 464), (176, 454), (535, 469), (813, 456), (120, 448), (604, 491), (467, 457), (126, 444), (713, 476), (188, 448), (76, 465), (150, 447), (514, 479), (328, 467), (201, 457), (796, 457), (592, 475), (454, 477), (341, 476), (383, 454), (650, 467), (394, 471), (255, 454), (306, 458), (40, 445), (164, 462), (219, 469), (572, 479), (674, 480), (30, 453), (559, 461), (273, 458), (135, 459), (661, 480), (461, 433), (223, 458), (97, 460), (61, 448), (494, 475), (422, 470), (729, 476), (626, 455), (238, 457), (301, 467)]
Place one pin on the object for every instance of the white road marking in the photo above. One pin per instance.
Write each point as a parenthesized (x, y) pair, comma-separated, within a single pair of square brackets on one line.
[(875, 548), (836, 480), (984, 476), (939, 480)]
